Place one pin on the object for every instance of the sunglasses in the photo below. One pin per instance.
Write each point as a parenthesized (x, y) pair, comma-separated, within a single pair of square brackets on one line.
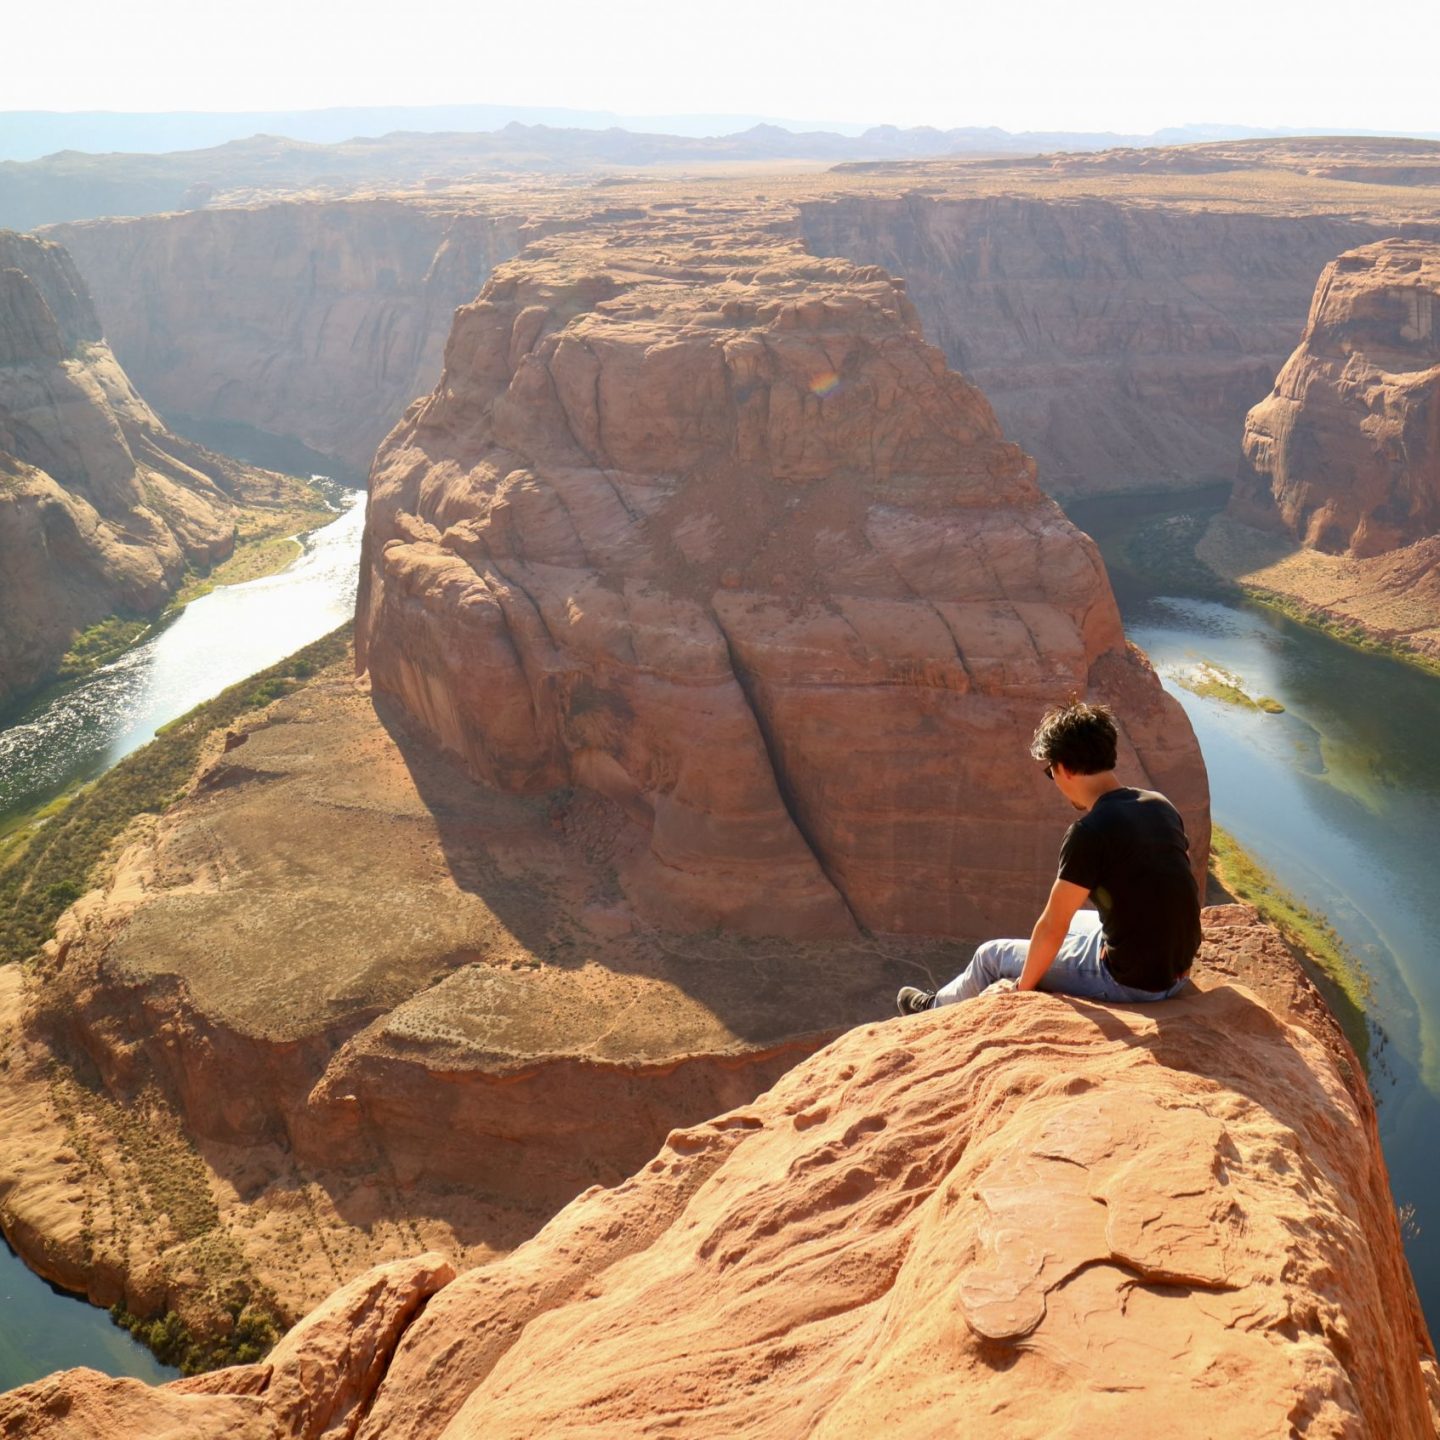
[(1050, 771)]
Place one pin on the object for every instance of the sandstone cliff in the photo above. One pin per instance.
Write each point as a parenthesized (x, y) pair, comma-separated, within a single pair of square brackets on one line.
[(699, 523), (1342, 460), (314, 321), (1122, 312), (1345, 451), (101, 507), (738, 608), (1120, 343), (1037, 1217)]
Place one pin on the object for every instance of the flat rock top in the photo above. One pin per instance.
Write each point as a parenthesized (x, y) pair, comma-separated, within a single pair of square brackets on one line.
[(329, 871), (1381, 301)]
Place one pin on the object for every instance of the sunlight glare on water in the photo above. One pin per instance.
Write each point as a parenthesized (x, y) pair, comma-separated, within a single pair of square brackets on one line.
[(217, 640)]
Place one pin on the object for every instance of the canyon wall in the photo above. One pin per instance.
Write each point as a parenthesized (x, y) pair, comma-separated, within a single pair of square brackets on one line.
[(1121, 323), (101, 507), (1044, 1217), (319, 322), (1345, 451), (699, 523), (1121, 343), (1336, 506)]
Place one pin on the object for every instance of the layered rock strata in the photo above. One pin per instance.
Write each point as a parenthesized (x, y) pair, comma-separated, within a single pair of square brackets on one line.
[(699, 523), (1042, 1216), (1343, 457), (318, 322), (1122, 311), (738, 608), (343, 1003), (1345, 451), (1122, 344), (101, 507)]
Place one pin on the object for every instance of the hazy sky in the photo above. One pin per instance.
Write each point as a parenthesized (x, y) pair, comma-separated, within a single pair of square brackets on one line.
[(1132, 65)]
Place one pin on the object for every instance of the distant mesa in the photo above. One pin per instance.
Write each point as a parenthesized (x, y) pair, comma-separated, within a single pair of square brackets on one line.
[(1336, 508)]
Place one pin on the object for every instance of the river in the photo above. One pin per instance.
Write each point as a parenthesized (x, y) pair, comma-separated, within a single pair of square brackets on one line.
[(1338, 797), (79, 730)]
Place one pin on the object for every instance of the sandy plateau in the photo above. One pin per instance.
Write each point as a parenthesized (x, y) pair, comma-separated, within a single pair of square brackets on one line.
[(360, 1006)]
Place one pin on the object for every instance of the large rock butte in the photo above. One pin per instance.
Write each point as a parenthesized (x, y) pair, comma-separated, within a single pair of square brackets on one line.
[(1336, 507), (1037, 1217), (699, 522), (1345, 452), (740, 632), (101, 506)]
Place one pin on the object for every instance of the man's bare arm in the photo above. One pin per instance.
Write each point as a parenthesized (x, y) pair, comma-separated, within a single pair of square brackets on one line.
[(1065, 899)]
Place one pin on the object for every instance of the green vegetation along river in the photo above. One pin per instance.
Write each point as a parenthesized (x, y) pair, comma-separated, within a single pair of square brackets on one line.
[(82, 729), (1336, 794)]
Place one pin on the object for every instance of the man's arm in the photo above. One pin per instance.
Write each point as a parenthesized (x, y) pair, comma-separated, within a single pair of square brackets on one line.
[(1065, 899)]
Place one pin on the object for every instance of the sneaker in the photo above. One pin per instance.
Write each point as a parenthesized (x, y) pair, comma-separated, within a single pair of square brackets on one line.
[(912, 1000)]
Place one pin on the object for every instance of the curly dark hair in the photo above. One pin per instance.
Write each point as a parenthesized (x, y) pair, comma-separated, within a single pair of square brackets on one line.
[(1078, 736)]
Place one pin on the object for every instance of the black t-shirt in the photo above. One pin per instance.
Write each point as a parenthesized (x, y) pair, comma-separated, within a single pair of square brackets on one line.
[(1130, 852)]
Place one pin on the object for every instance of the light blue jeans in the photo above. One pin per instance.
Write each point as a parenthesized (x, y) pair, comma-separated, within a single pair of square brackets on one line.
[(1076, 970)]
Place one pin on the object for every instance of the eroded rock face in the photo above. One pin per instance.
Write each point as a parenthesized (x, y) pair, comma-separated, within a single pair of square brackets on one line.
[(700, 523), (1121, 344), (316, 321), (1345, 452), (317, 1382), (1030, 1216), (101, 507)]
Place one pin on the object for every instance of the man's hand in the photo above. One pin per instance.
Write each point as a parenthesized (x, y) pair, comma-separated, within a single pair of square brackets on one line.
[(1050, 929)]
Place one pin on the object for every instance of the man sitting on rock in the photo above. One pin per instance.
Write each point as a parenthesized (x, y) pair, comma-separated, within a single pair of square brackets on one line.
[(1129, 851)]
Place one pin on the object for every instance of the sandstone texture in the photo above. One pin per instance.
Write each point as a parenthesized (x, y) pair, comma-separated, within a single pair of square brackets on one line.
[(319, 322), (101, 507), (1032, 1216), (343, 1004), (1336, 508), (1345, 452), (699, 523)]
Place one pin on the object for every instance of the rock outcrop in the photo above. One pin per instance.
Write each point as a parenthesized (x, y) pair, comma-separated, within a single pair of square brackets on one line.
[(101, 507), (318, 322), (739, 609), (1120, 343), (1345, 452), (699, 523), (1336, 507), (1039, 1216)]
